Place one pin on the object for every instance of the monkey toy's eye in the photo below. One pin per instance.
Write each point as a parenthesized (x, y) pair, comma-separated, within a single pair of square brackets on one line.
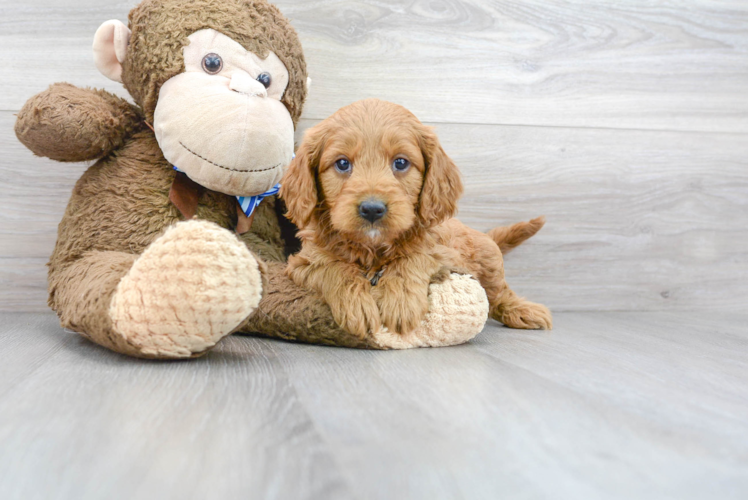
[(401, 165), (343, 166), (212, 64), (265, 79)]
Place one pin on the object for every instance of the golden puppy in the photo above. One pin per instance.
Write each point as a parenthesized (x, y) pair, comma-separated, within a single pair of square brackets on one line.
[(373, 193)]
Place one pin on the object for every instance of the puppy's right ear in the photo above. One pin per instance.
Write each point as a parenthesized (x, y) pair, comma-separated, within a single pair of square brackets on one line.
[(299, 184)]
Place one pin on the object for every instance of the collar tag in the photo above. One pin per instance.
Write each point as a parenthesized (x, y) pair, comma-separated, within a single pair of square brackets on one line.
[(377, 276)]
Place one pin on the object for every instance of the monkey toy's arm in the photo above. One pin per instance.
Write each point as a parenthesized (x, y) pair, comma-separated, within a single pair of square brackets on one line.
[(458, 310), (69, 124)]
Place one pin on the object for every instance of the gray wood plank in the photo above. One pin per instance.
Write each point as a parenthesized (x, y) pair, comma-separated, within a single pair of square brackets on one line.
[(636, 220), (608, 405), (24, 350), (638, 64), (23, 284), (77, 421)]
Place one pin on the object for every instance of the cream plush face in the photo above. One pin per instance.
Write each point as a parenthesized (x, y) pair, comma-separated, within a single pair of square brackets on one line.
[(222, 121)]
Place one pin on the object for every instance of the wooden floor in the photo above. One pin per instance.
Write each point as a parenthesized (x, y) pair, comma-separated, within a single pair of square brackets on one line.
[(608, 405)]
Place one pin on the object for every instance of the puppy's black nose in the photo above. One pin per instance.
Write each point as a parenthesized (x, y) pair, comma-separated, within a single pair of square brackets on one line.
[(372, 210)]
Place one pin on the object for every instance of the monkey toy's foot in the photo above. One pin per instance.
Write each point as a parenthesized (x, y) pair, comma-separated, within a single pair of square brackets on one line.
[(190, 288), (458, 312)]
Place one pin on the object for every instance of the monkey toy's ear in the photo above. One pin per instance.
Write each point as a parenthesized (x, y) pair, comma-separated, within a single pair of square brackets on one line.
[(110, 48)]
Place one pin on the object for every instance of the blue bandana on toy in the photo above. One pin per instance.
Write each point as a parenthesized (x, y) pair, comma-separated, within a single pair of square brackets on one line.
[(250, 203)]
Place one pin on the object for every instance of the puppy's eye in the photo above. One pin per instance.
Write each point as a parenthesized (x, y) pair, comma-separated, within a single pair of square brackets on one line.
[(343, 166), (401, 165), (265, 79), (212, 64)]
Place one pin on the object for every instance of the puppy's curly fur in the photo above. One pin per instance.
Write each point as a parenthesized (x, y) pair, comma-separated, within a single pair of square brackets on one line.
[(375, 269)]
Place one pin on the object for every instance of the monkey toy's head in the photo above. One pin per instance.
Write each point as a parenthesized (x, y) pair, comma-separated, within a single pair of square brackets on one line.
[(223, 84)]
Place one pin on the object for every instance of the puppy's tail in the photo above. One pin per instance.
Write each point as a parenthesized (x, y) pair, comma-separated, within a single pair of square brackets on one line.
[(510, 237)]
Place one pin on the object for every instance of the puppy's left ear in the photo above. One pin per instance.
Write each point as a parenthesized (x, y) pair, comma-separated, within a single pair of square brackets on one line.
[(442, 185)]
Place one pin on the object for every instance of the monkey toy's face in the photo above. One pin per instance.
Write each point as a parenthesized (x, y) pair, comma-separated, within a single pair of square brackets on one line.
[(222, 121), (222, 83)]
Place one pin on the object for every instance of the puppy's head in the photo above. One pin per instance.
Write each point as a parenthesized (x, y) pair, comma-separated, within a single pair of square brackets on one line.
[(371, 171)]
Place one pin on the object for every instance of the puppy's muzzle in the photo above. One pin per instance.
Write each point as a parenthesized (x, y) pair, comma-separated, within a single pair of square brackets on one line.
[(372, 210)]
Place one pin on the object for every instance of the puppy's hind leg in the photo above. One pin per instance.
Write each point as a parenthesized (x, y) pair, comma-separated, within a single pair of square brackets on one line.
[(516, 312), (482, 256)]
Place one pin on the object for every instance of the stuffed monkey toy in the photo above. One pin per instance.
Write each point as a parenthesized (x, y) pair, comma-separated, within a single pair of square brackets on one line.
[(174, 238)]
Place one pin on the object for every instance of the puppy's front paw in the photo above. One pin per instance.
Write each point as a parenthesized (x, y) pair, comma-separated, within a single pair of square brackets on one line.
[(457, 312), (402, 306), (356, 312)]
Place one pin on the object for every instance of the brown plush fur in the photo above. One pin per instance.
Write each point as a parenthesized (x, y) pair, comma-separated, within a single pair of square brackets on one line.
[(413, 242), (105, 121), (121, 204)]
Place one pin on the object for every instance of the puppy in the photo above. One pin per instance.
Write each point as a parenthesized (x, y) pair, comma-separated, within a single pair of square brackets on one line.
[(373, 194)]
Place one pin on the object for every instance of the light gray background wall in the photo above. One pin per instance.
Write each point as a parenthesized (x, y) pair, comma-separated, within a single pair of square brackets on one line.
[(625, 123)]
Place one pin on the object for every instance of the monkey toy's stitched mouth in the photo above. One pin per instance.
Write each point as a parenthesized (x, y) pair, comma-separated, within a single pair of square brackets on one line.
[(278, 165)]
